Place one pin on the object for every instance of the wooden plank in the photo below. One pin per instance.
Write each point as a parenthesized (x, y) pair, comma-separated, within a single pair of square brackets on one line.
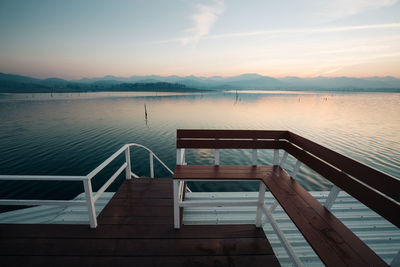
[(126, 231), (226, 144), (134, 247), (135, 220), (331, 244), (141, 188), (147, 180), (152, 211), (222, 172), (374, 178), (226, 168), (162, 261), (136, 234), (140, 202), (145, 194), (237, 134), (375, 201), (143, 181)]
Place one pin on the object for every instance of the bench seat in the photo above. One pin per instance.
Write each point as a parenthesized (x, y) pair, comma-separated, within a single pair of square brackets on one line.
[(221, 172), (333, 242)]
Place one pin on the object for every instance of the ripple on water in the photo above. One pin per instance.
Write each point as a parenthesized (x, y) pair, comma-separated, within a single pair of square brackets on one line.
[(71, 136)]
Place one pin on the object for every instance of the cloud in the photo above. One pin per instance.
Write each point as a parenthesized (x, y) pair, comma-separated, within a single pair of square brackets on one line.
[(335, 9), (306, 30), (319, 30), (338, 64), (204, 18)]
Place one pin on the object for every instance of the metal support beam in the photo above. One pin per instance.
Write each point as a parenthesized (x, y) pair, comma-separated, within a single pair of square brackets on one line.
[(271, 209), (283, 159), (260, 203), (332, 197), (134, 175), (296, 169), (273, 206), (396, 260), (285, 243)]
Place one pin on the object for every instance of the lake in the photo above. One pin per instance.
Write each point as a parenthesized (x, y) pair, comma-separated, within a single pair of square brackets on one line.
[(71, 134)]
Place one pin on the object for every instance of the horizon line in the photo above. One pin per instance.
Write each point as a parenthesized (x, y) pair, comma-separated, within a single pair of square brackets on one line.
[(198, 76)]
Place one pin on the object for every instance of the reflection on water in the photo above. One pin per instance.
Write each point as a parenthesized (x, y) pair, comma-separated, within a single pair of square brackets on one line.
[(71, 134), (84, 95), (275, 92)]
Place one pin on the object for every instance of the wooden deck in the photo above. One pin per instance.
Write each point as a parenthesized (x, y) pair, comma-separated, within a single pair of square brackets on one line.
[(135, 229)]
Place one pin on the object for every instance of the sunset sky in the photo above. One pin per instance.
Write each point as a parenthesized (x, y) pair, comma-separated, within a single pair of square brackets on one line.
[(305, 38)]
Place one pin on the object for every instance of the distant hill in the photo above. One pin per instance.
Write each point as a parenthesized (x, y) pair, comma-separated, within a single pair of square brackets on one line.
[(11, 83), (253, 81)]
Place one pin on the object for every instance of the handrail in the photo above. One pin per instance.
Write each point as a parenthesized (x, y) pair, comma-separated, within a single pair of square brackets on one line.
[(43, 177), (109, 182), (106, 162), (157, 158), (42, 202), (90, 199)]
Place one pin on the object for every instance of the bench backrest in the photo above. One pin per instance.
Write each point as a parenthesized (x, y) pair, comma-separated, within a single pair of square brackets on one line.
[(221, 139), (377, 190)]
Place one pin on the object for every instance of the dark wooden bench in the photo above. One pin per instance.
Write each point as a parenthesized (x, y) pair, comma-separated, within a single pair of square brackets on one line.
[(333, 242)]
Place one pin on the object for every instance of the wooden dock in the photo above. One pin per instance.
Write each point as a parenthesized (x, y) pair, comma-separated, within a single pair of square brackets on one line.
[(135, 229)]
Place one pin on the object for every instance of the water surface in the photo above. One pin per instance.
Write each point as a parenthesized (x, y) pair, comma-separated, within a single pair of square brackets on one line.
[(71, 134)]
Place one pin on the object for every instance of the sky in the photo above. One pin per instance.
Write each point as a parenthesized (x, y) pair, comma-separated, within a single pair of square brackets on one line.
[(305, 38)]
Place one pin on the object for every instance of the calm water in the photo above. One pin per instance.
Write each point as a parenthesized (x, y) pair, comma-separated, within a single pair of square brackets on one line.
[(71, 134)]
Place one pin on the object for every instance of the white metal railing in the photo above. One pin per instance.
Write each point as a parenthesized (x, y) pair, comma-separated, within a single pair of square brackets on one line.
[(90, 197), (262, 208)]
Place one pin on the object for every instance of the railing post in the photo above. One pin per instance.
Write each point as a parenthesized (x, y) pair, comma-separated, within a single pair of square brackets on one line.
[(216, 157), (184, 157), (332, 197), (283, 159), (296, 169), (178, 156), (260, 203), (128, 162), (87, 185), (177, 224), (254, 155), (151, 165), (276, 155)]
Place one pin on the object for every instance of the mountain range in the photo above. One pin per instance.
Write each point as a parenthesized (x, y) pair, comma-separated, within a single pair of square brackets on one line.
[(12, 83)]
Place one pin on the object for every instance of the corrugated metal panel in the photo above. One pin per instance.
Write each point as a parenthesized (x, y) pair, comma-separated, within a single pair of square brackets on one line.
[(376, 232), (379, 234)]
